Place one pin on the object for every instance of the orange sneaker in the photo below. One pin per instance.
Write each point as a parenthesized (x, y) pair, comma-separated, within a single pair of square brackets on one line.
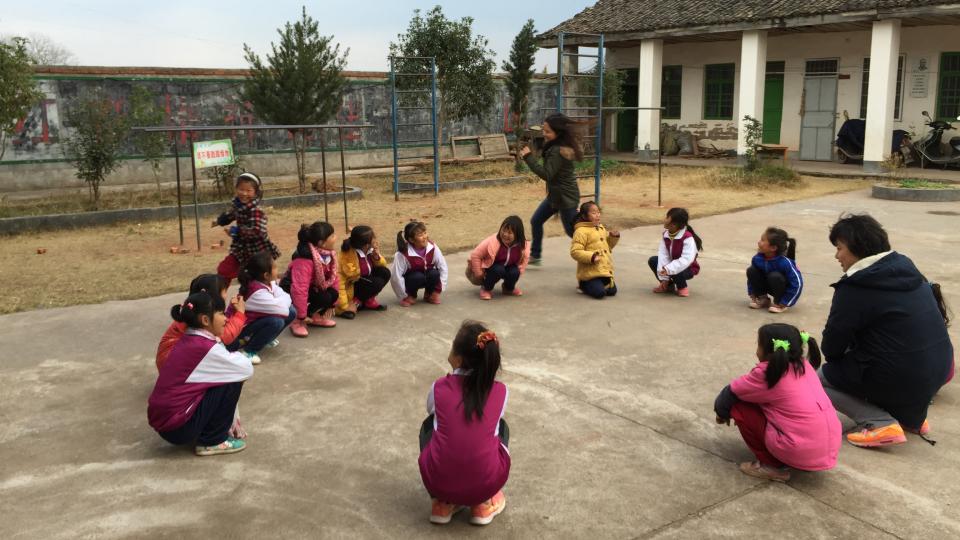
[(485, 294), (483, 513), (434, 297), (924, 429), (408, 301), (441, 513), (877, 437), (684, 292), (663, 287), (515, 292)]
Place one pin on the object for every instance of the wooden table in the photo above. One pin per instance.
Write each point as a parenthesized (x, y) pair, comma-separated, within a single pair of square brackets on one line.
[(774, 149)]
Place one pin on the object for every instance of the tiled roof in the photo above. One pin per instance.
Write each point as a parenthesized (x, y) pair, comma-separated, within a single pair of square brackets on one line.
[(618, 16)]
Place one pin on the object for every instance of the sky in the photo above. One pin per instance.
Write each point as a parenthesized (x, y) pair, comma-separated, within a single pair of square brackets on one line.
[(211, 34)]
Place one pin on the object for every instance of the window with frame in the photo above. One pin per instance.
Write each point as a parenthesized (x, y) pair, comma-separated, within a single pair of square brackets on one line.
[(671, 88), (719, 80), (865, 84), (948, 87)]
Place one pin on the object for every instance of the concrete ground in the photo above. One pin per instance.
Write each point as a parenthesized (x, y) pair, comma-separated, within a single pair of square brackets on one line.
[(613, 433)]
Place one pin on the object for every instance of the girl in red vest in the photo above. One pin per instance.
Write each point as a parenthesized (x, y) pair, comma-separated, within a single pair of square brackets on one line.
[(417, 264), (676, 260), (464, 459)]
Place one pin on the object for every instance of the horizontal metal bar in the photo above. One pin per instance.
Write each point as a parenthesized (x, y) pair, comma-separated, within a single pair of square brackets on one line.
[(412, 57), (416, 124), (415, 108), (590, 156), (413, 74), (634, 108), (164, 129), (576, 117), (581, 55), (422, 91), (415, 140), (578, 75), (574, 96), (585, 176), (565, 34), (416, 157)]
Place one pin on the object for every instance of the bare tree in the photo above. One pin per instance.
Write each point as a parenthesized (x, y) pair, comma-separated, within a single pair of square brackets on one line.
[(44, 51)]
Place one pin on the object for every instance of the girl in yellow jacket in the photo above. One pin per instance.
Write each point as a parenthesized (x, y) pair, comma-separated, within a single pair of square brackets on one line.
[(592, 249), (363, 273)]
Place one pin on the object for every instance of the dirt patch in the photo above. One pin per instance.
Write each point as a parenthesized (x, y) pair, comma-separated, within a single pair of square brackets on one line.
[(135, 261)]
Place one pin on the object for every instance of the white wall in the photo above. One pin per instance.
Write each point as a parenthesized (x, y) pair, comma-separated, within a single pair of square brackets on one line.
[(795, 50)]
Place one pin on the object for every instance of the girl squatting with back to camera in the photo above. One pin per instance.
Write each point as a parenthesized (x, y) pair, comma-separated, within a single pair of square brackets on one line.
[(250, 232), (464, 461), (418, 264), (773, 272)]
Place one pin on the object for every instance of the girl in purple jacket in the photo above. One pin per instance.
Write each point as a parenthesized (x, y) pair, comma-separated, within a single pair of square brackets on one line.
[(194, 401), (312, 278), (780, 407), (463, 442)]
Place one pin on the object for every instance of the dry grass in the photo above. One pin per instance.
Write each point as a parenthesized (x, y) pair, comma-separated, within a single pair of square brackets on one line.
[(133, 260)]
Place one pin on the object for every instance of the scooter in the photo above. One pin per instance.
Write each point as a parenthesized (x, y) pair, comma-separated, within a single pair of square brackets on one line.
[(850, 142), (931, 150)]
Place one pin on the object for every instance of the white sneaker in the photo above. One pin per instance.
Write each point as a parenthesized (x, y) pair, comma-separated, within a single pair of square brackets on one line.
[(254, 357), (272, 344)]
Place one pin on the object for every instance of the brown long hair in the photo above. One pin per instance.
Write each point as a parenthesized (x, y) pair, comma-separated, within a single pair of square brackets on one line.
[(565, 128)]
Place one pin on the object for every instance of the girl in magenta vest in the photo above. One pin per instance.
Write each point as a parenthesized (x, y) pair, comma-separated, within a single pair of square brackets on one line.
[(463, 442), (781, 409), (502, 256), (417, 264), (676, 261), (312, 279), (194, 401), (268, 307)]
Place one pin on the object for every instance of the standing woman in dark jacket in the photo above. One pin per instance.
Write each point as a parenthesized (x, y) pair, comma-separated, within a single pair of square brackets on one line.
[(885, 342), (563, 193)]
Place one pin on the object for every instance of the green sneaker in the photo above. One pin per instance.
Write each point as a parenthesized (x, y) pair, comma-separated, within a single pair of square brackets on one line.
[(229, 446)]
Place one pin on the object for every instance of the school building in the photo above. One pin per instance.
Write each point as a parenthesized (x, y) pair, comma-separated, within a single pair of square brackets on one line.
[(799, 66)]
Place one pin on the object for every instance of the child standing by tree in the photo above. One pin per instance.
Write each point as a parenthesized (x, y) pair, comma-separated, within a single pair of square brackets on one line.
[(194, 400), (312, 280), (773, 272), (267, 306), (780, 407), (502, 256), (592, 248), (250, 233), (418, 264), (676, 261), (464, 459), (363, 273)]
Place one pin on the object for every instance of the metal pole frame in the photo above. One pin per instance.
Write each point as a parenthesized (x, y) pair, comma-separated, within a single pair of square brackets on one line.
[(343, 180), (323, 167), (560, 72), (196, 202), (598, 140), (433, 127), (176, 161), (393, 125)]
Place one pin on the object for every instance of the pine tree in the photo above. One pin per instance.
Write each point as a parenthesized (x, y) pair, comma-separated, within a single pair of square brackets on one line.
[(519, 73)]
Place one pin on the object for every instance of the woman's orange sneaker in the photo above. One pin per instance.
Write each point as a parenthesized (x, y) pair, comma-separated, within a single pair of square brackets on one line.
[(441, 513), (483, 513), (875, 438)]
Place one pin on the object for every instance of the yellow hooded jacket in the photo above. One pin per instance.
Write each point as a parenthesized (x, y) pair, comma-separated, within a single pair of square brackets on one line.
[(587, 240), (349, 269)]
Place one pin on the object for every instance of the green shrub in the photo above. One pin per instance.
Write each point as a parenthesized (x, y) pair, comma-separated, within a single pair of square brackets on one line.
[(920, 183)]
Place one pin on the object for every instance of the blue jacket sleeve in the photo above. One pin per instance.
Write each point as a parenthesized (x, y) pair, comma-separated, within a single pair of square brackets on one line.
[(794, 282)]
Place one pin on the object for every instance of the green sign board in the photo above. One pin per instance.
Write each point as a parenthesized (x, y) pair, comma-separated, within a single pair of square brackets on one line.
[(213, 153)]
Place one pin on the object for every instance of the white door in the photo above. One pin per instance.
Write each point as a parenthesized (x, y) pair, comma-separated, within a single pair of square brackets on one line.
[(818, 124)]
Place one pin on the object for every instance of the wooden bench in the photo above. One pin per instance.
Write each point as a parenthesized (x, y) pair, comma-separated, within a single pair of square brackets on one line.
[(774, 149)]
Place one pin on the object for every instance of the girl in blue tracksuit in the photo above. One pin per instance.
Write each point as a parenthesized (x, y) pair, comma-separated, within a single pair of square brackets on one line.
[(773, 274)]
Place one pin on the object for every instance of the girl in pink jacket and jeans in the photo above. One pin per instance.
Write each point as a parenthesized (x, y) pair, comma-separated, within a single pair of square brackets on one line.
[(502, 256), (784, 416)]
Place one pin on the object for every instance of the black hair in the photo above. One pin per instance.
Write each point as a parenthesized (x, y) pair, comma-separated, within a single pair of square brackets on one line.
[(861, 233), (565, 128), (779, 239), (481, 366), (360, 235), (316, 233), (583, 214), (254, 270), (941, 303), (515, 224), (252, 179), (197, 304), (409, 231), (211, 283), (779, 360), (681, 218)]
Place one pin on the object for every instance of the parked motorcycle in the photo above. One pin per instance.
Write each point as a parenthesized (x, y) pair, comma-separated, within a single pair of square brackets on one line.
[(850, 142), (930, 147)]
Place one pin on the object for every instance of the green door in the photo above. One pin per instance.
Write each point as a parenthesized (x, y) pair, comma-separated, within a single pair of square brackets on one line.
[(627, 120), (772, 105)]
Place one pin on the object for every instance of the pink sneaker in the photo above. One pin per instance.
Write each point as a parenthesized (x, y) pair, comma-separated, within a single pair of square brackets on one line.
[(434, 297), (485, 294), (323, 319), (372, 304), (298, 328), (662, 287), (483, 513), (408, 301), (515, 292), (684, 292)]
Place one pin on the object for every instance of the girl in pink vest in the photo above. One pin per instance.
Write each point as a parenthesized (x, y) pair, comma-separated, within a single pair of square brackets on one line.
[(463, 442), (781, 409), (194, 401), (501, 256), (417, 264), (676, 260), (312, 278)]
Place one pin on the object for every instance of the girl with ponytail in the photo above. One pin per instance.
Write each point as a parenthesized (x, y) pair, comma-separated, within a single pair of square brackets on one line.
[(464, 459), (417, 264), (676, 260), (773, 272), (780, 407), (312, 279), (363, 273), (194, 401)]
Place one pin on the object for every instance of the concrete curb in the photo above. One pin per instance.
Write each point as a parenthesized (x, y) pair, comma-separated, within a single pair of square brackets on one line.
[(915, 195), (17, 225), (461, 184)]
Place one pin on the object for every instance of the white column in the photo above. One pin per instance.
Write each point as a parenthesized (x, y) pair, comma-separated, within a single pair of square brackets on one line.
[(651, 73), (882, 91), (753, 70)]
